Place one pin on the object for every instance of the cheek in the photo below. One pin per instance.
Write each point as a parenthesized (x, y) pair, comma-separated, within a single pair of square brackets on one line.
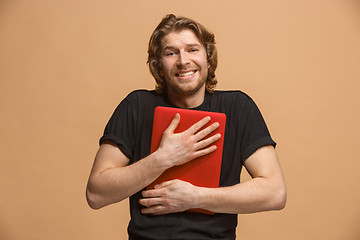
[(166, 66), (203, 61)]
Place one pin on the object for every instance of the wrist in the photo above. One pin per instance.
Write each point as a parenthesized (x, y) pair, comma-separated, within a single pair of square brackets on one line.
[(161, 160), (207, 198), (201, 200)]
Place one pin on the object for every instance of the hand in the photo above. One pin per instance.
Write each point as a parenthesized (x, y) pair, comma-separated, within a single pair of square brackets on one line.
[(169, 197), (179, 148)]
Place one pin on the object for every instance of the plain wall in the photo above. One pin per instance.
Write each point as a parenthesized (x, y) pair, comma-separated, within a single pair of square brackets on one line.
[(65, 65)]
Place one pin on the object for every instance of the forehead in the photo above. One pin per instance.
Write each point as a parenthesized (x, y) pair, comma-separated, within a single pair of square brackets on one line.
[(177, 39)]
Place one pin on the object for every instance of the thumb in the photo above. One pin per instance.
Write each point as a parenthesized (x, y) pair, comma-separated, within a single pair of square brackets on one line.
[(174, 124)]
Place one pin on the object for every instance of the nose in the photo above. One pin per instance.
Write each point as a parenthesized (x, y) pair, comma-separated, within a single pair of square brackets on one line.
[(182, 59)]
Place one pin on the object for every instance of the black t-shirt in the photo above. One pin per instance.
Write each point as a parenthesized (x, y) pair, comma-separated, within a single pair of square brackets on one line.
[(130, 127)]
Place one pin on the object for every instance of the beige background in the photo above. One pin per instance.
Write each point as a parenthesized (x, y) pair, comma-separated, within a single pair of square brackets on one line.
[(65, 65)]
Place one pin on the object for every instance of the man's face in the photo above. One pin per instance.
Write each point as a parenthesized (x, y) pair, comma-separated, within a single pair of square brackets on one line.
[(184, 63)]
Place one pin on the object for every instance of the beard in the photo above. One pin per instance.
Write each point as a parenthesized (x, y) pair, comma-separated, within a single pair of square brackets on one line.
[(187, 88)]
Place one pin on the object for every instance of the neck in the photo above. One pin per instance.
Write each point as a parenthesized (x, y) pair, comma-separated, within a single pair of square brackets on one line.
[(187, 101)]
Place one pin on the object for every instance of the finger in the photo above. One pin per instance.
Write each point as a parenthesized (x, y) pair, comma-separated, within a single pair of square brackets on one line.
[(164, 184), (153, 193), (198, 125), (203, 133), (149, 202), (158, 209), (155, 210), (174, 124), (205, 151), (208, 141)]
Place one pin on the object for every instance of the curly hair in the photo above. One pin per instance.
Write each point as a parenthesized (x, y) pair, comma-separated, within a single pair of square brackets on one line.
[(169, 24)]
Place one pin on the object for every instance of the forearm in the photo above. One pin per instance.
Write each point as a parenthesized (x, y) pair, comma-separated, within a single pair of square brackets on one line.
[(118, 183), (256, 195)]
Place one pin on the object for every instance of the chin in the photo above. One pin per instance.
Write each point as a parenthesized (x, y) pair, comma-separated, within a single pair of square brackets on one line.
[(189, 90)]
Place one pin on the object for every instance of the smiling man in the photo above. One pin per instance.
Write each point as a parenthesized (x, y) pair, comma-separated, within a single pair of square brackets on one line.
[(182, 58), (184, 68)]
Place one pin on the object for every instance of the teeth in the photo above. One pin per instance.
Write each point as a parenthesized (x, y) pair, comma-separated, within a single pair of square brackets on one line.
[(186, 74)]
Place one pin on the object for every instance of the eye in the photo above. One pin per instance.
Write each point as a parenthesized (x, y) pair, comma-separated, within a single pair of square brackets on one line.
[(170, 54), (193, 50)]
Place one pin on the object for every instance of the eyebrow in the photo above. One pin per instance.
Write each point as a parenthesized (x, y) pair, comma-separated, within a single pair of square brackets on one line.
[(169, 47)]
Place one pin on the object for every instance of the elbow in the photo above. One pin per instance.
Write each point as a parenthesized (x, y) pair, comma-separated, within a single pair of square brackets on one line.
[(93, 200), (279, 199)]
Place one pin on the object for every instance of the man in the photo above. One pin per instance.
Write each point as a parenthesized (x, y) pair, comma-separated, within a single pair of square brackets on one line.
[(182, 58)]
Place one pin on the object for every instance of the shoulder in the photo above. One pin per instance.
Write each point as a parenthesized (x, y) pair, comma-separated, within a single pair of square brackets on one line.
[(232, 97), (143, 101), (141, 96), (142, 93), (232, 94)]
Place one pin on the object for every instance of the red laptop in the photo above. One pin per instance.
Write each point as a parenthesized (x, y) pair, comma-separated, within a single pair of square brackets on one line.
[(203, 171)]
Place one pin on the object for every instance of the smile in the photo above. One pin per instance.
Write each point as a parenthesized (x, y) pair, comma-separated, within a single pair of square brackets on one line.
[(185, 74)]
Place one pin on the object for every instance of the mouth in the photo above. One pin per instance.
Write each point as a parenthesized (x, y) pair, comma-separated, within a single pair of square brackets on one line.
[(185, 74)]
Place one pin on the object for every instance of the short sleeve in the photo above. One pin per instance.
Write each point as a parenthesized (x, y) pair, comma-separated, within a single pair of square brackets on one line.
[(255, 132), (121, 128)]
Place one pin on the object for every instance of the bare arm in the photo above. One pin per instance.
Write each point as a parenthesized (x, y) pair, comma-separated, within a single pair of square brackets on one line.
[(112, 179), (265, 191)]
